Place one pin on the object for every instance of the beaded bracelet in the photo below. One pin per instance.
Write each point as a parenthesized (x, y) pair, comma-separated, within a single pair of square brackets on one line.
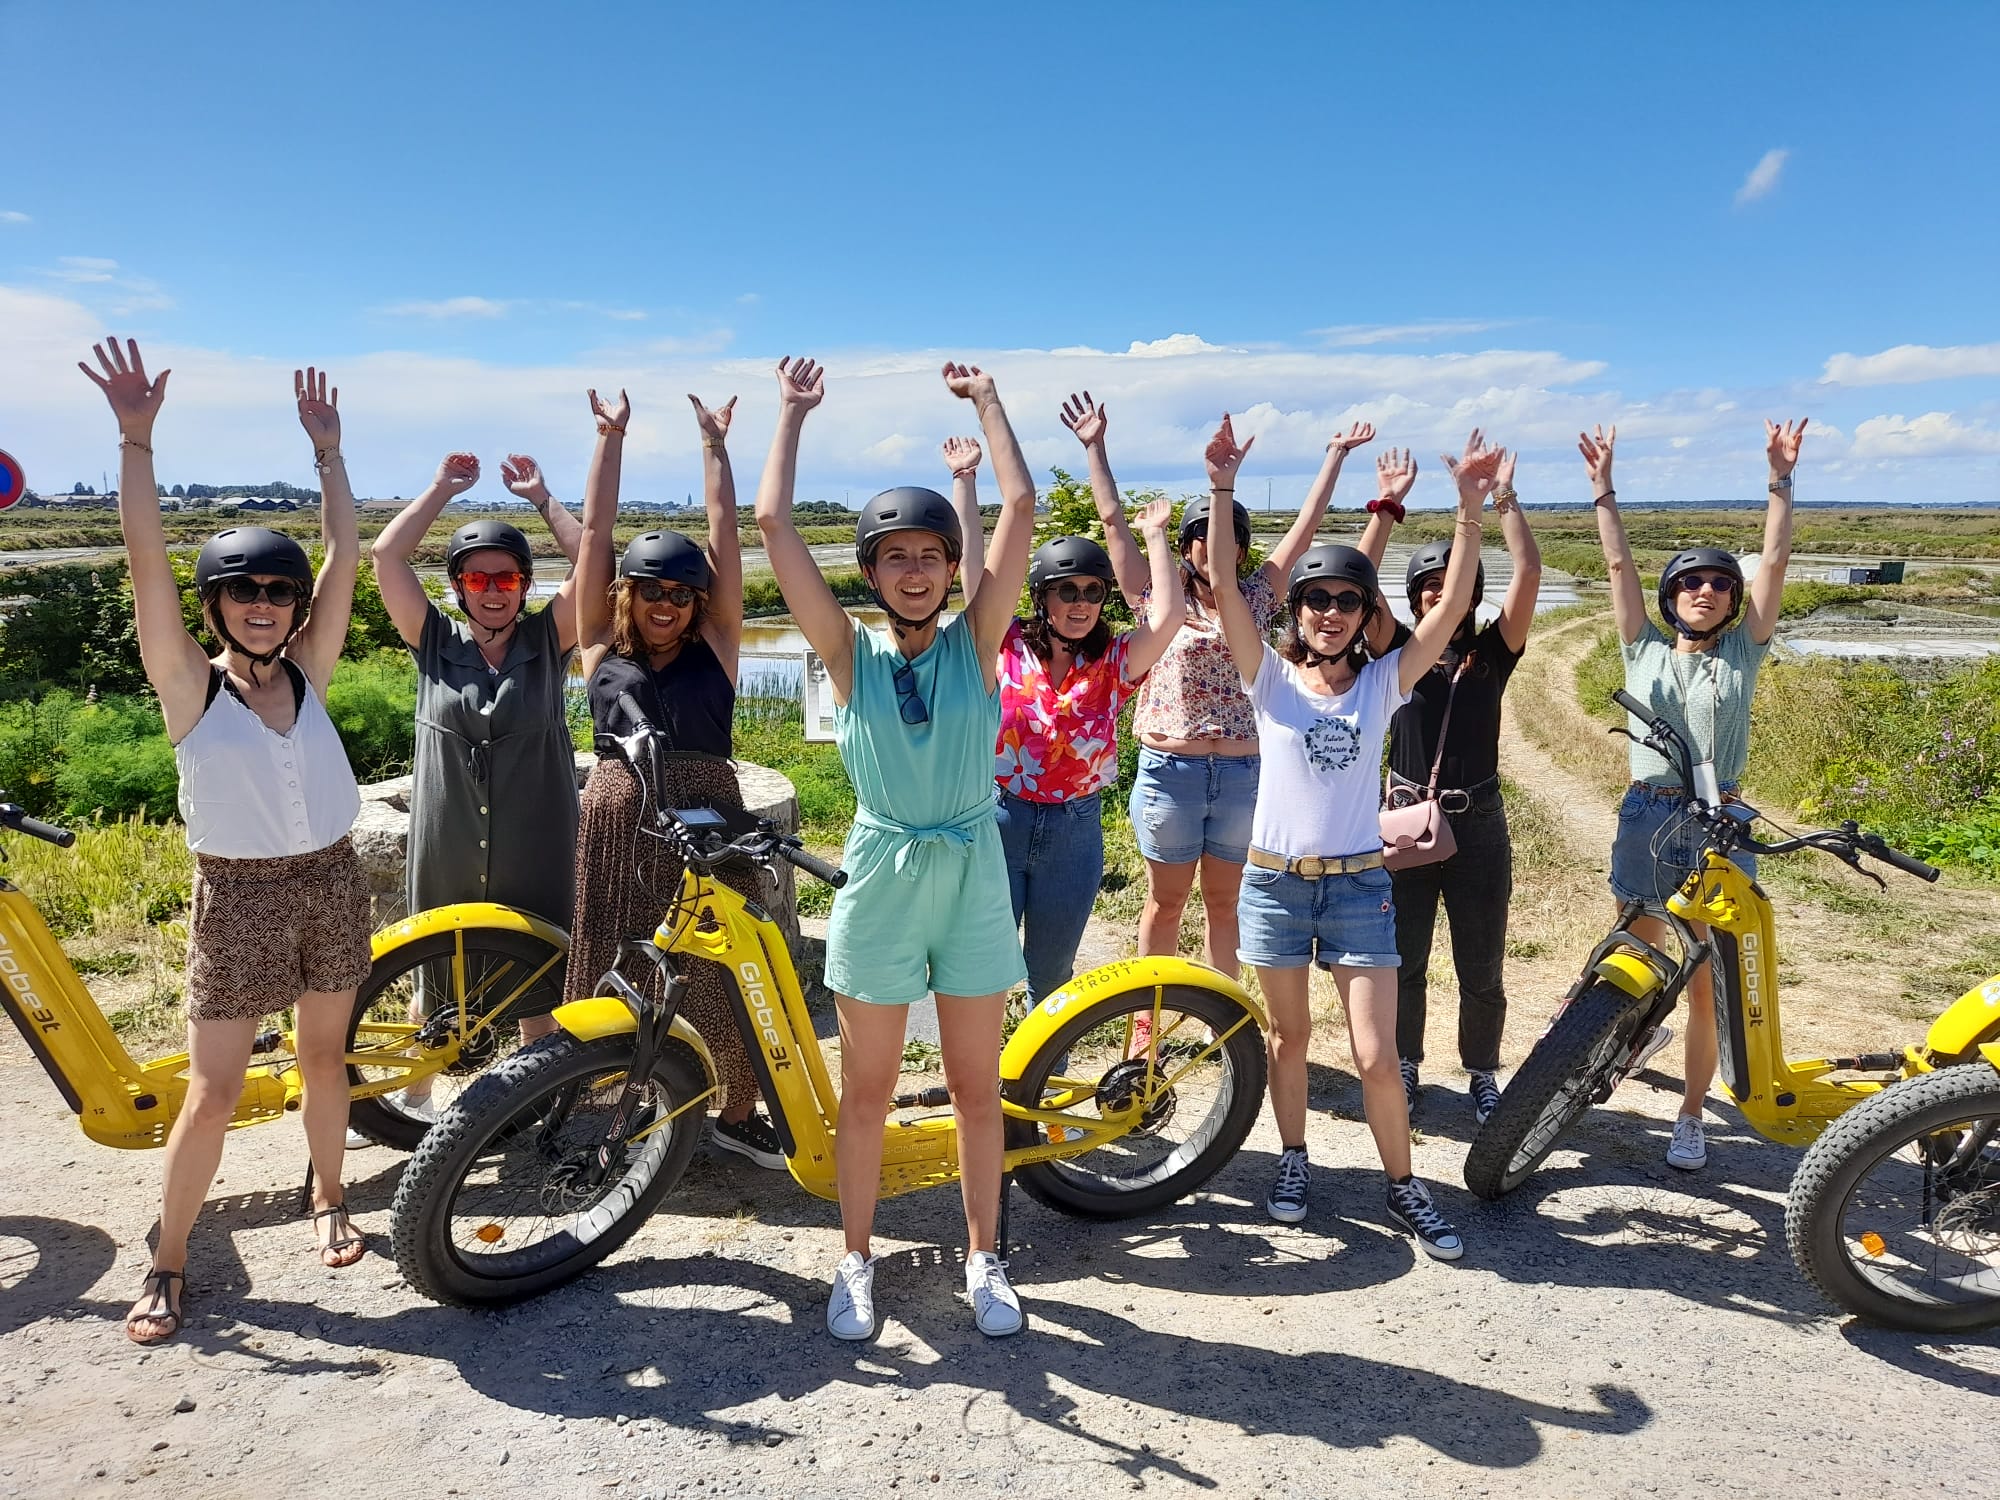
[(605, 429), (130, 442)]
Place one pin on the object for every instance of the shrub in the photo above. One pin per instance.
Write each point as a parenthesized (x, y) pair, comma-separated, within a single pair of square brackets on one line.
[(115, 762), (373, 703)]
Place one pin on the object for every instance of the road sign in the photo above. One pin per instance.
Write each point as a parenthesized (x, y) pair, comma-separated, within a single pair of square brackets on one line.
[(13, 483)]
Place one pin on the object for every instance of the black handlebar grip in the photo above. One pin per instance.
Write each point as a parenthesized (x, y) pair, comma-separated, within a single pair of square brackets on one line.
[(62, 838), (1908, 864), (1632, 706), (819, 869), (632, 710)]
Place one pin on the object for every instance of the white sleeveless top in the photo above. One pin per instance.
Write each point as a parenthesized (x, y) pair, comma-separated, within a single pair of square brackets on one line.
[(248, 792)]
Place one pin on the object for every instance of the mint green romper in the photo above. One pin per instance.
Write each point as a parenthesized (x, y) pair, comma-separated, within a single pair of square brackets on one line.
[(926, 906)]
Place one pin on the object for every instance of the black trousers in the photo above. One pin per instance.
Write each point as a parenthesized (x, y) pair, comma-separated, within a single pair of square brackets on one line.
[(1475, 885)]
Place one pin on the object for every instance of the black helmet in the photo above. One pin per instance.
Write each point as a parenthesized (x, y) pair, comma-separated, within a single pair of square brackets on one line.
[(475, 536), (1330, 562), (1068, 557), (1693, 560), (908, 507), (669, 556), (1435, 557), (243, 551), (1195, 513)]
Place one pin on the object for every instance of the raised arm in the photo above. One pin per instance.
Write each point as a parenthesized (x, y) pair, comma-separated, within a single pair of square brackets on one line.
[(1517, 610), (1476, 472), (1278, 566), (317, 646), (722, 619), (523, 477), (1395, 473), (1084, 417), (591, 581), (1167, 606), (175, 664), (402, 591), (1224, 456), (1014, 533), (828, 628), (961, 456), (1628, 600), (1767, 589)]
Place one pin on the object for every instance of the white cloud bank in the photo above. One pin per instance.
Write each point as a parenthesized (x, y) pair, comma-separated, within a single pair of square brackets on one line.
[(14, 216), (1936, 434), (449, 307), (1763, 178), (1911, 364)]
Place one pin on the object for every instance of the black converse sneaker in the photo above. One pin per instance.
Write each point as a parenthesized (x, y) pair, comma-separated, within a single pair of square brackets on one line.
[(1409, 1071), (1287, 1203), (1485, 1092), (751, 1136), (1410, 1206)]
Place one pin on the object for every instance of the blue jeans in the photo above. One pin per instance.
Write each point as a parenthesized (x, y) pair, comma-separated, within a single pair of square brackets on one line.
[(1185, 806), (1055, 861), (1657, 844)]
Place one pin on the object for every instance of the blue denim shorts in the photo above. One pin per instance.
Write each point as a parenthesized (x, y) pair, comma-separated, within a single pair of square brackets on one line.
[(1185, 806), (1288, 921), (1657, 845)]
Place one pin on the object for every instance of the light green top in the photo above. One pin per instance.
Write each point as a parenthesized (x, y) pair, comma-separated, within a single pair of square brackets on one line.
[(1703, 694)]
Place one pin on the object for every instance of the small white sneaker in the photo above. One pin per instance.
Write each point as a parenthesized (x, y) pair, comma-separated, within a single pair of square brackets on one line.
[(424, 1109), (995, 1308), (1649, 1049), (1689, 1149), (356, 1141), (850, 1311)]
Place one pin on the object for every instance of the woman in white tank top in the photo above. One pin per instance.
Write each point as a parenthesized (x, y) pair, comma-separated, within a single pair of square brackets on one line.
[(280, 911)]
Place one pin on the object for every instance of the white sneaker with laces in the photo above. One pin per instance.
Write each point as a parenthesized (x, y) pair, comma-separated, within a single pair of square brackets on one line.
[(995, 1308), (850, 1311), (356, 1141), (1649, 1049), (1689, 1148)]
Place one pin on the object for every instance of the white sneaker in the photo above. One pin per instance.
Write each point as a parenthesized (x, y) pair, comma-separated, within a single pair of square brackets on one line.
[(850, 1311), (995, 1308), (356, 1141), (1689, 1149), (424, 1109), (1649, 1049)]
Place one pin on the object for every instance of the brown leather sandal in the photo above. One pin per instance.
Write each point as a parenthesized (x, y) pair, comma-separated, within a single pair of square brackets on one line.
[(158, 1286), (350, 1241)]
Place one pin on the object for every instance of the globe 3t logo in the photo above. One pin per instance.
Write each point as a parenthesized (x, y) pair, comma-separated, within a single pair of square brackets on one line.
[(24, 990), (764, 1011), (1752, 949)]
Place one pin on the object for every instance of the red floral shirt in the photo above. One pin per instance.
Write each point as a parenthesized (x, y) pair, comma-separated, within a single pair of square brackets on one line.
[(1194, 692), (1059, 742)]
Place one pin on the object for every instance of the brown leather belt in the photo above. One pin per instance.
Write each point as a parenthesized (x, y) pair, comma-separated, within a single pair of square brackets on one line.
[(1313, 866)]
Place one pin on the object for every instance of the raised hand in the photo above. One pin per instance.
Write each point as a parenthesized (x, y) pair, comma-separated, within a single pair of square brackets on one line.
[(714, 424), (1153, 518), (319, 412), (458, 473), (1782, 444), (615, 415), (1477, 468), (1596, 446), (801, 385), (1504, 479), (134, 399), (1395, 472), (1354, 437), (1085, 418), (1223, 456), (523, 476), (970, 382), (961, 454)]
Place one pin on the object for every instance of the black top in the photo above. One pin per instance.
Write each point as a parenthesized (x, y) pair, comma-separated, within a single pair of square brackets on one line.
[(1472, 754), (690, 700)]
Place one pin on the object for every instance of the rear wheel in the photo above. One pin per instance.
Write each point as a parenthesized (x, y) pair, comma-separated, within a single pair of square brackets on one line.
[(507, 1197), (1200, 1098), (1895, 1211), (465, 990), (1574, 1066)]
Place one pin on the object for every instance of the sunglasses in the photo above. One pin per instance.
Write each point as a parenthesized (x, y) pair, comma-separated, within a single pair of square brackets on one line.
[(908, 702), (1689, 583), (1346, 601), (478, 583), (279, 593), (679, 595), (1078, 593)]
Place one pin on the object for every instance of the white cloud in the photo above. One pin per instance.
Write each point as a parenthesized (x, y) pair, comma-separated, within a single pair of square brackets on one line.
[(1935, 434), (82, 269), (14, 216), (625, 314), (130, 294), (449, 307), (1909, 364), (1354, 335), (1763, 178), (1167, 348)]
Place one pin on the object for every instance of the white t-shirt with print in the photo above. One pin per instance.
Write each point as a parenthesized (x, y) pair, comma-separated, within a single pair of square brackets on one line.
[(1320, 788)]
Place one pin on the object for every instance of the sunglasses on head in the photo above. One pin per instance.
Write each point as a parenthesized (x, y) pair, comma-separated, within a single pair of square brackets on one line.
[(1346, 601), (909, 703), (279, 592), (1689, 583), (1091, 592), (478, 583), (679, 595)]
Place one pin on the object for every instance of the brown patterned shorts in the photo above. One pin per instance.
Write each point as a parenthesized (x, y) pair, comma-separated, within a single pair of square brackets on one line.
[(264, 931)]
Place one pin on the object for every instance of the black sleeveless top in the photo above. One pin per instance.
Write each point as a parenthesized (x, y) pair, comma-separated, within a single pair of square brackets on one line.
[(690, 700)]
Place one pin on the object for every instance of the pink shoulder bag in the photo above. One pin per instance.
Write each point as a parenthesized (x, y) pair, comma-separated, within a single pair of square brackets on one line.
[(1420, 834)]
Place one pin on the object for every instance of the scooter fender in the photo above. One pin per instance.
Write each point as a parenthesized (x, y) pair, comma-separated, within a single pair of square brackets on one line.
[(1629, 973), (1107, 980), (1972, 1018), (464, 914), (601, 1016)]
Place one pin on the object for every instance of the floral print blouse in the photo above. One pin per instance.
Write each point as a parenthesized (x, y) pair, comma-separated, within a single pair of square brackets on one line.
[(1059, 741), (1194, 692)]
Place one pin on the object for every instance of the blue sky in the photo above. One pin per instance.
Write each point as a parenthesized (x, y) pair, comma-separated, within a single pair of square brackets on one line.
[(1423, 215)]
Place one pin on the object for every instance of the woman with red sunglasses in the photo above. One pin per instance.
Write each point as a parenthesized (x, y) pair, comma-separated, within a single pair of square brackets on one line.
[(493, 795), (1700, 679)]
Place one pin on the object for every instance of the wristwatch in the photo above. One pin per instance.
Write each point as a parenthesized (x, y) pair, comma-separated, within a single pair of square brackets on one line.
[(1780, 486)]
